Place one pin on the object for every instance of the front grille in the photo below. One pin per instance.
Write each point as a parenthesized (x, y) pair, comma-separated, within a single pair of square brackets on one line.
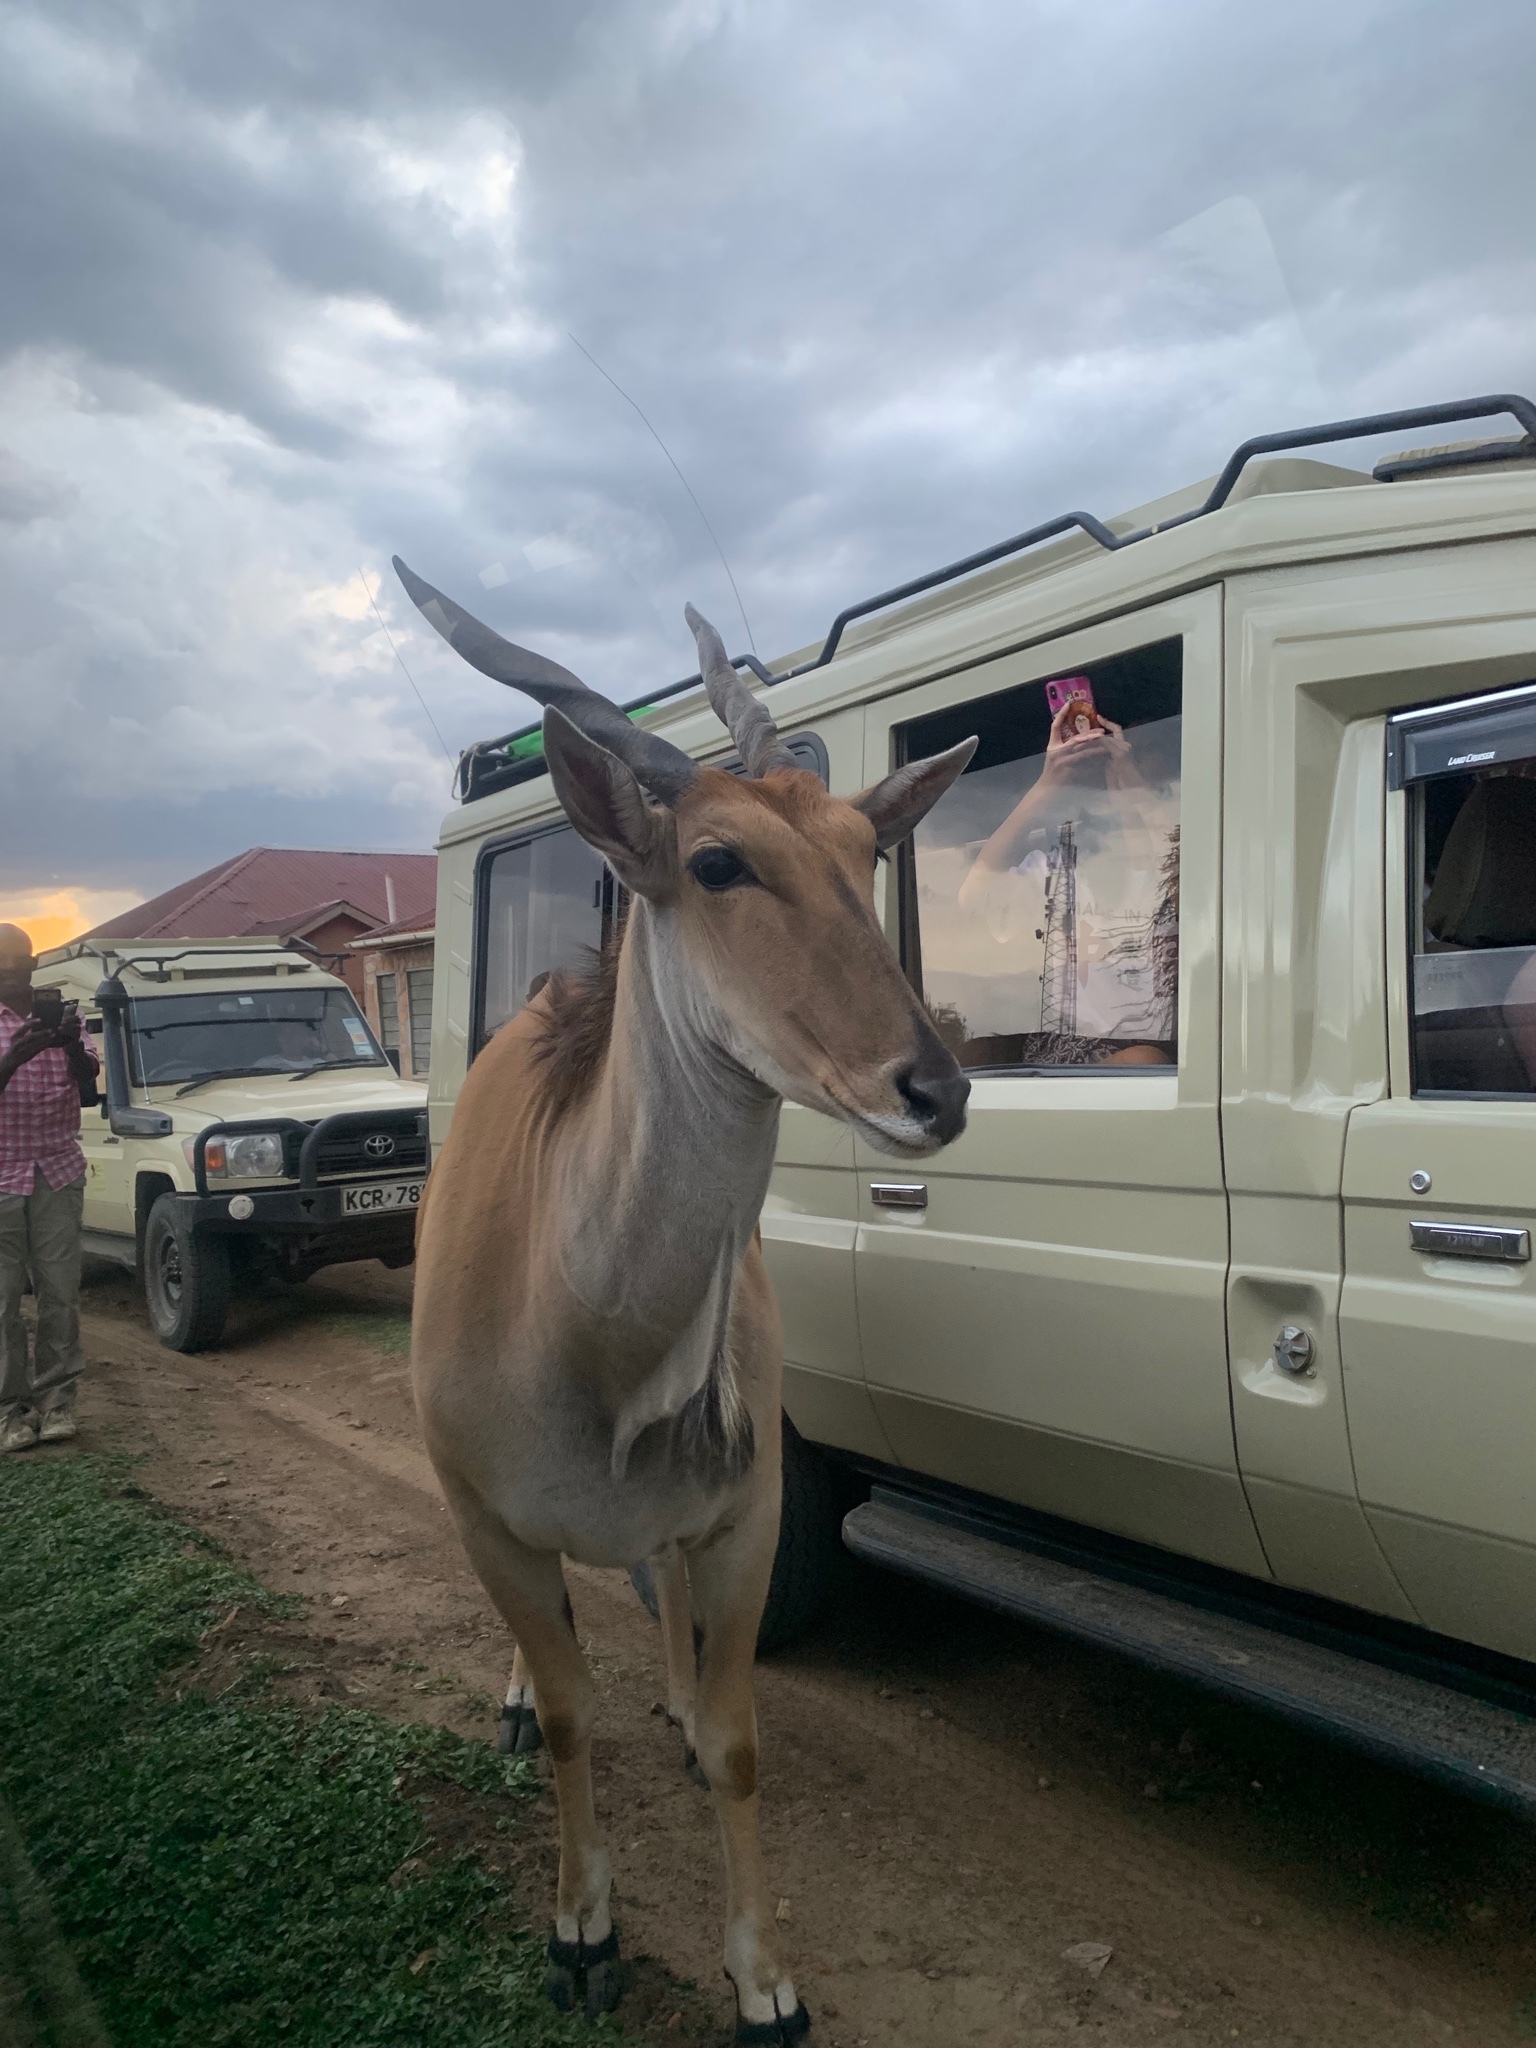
[(348, 1151)]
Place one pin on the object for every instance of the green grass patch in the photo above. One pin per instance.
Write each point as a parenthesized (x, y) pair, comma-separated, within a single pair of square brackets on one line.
[(231, 1869), (381, 1329)]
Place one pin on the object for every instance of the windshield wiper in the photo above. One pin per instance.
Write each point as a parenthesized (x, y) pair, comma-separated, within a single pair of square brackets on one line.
[(320, 1066), (222, 1074)]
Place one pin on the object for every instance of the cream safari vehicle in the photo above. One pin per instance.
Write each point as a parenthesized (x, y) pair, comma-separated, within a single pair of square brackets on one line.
[(250, 1124), (1213, 1338)]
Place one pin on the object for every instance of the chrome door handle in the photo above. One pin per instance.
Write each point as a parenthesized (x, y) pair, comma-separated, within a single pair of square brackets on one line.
[(898, 1194), (1471, 1241)]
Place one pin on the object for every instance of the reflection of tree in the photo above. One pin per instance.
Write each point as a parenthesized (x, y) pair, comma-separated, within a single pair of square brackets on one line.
[(1150, 951), (951, 1026)]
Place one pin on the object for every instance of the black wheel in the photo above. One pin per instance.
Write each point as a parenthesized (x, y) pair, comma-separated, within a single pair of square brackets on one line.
[(810, 1548), (186, 1280)]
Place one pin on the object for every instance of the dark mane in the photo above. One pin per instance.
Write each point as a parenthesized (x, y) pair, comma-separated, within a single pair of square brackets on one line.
[(576, 1025)]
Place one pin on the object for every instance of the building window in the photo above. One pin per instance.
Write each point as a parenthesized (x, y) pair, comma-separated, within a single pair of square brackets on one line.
[(419, 990), (389, 1015), (1040, 896)]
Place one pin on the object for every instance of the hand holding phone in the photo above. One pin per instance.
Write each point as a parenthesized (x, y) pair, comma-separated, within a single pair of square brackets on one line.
[(1082, 717)]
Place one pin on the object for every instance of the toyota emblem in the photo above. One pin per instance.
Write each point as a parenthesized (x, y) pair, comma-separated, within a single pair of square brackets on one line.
[(378, 1145)]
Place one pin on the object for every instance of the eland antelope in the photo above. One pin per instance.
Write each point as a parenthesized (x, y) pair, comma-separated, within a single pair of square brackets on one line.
[(595, 1351)]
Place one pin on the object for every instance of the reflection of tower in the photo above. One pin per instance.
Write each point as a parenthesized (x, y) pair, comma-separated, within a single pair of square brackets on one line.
[(1058, 967)]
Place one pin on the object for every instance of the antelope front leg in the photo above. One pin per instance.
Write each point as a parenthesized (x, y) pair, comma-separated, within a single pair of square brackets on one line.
[(669, 1575), (729, 1577), (528, 1587)]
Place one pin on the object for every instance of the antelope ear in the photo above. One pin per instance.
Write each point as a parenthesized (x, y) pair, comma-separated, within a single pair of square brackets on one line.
[(606, 805), (899, 804)]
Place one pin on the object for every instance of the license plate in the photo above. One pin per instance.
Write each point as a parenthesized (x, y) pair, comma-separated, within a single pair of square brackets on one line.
[(389, 1194)]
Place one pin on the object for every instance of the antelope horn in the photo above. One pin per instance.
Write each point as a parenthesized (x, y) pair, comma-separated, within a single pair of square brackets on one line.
[(663, 769), (748, 723)]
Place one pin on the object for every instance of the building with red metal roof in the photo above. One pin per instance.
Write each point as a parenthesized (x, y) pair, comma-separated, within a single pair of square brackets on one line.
[(325, 899)]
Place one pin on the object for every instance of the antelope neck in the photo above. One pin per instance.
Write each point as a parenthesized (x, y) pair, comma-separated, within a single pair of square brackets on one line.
[(665, 1185)]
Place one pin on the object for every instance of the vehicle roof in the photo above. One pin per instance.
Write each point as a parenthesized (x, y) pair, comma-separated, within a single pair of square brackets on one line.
[(170, 967), (1282, 512)]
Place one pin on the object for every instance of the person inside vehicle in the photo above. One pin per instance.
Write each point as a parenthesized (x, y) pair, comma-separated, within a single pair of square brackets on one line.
[(47, 1069)]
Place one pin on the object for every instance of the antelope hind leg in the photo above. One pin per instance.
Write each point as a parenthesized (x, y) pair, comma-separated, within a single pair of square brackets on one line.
[(729, 1578), (519, 1733), (528, 1587), (669, 1574)]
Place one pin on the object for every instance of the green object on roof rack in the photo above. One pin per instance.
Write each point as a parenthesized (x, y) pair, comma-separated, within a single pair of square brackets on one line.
[(530, 745)]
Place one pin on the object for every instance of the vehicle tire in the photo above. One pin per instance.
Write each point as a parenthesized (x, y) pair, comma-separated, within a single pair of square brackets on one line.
[(186, 1279), (810, 1548)]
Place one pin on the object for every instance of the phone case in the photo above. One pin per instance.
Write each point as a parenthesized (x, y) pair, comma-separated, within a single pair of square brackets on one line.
[(1063, 690)]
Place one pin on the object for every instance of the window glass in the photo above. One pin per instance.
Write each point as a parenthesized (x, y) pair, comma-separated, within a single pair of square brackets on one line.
[(389, 1012), (1473, 985), (419, 991), (1040, 896), (545, 903), (258, 1031)]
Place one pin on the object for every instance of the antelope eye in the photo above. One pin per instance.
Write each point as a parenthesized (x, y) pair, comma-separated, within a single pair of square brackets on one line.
[(716, 868)]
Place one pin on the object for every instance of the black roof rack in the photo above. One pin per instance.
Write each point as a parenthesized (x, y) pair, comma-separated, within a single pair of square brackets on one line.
[(490, 765)]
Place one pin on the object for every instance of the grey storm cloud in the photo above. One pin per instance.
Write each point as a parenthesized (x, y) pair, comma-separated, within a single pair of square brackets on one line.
[(291, 288)]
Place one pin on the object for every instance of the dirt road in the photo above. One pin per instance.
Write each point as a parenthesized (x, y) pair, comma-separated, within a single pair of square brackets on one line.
[(951, 1804)]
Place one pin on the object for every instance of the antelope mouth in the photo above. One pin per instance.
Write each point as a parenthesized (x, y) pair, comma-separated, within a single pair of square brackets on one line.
[(902, 1137), (927, 1112)]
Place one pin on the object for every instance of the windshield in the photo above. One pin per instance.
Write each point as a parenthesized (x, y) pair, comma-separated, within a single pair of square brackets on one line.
[(258, 1031)]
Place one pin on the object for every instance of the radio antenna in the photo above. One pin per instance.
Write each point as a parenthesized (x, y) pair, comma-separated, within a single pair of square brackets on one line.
[(688, 487)]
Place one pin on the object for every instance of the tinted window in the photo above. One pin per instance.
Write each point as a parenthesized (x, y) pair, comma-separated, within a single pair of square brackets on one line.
[(543, 905), (1040, 897), (258, 1031), (551, 902), (1473, 917)]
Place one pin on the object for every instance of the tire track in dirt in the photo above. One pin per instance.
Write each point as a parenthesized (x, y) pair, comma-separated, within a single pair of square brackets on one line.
[(932, 1881)]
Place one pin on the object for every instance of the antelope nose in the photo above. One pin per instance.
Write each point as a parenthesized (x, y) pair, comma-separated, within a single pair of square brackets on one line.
[(935, 1091)]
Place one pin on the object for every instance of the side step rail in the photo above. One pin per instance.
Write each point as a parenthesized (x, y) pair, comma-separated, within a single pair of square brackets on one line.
[(1437, 1731)]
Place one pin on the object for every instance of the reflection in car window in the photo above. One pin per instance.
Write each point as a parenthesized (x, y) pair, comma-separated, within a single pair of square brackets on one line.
[(1473, 987), (1040, 897)]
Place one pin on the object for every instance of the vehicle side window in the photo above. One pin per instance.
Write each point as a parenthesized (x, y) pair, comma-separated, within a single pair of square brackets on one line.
[(544, 903), (551, 902), (1040, 897), (1471, 794)]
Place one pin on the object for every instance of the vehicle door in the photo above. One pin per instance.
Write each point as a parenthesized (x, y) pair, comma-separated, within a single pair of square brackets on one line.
[(1041, 1305), (1438, 1316), (107, 1207)]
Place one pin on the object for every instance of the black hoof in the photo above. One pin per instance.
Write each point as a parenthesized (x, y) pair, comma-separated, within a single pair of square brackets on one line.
[(605, 1987), (694, 1768), (560, 1987), (594, 1976), (775, 2033), (519, 1733)]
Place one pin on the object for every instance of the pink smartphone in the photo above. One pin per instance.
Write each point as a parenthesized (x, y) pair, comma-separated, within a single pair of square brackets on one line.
[(1078, 690)]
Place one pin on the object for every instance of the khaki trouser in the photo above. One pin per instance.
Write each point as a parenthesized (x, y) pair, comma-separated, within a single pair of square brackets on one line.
[(40, 1235)]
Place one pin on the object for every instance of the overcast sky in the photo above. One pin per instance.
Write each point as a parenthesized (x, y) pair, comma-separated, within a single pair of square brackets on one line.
[(288, 288)]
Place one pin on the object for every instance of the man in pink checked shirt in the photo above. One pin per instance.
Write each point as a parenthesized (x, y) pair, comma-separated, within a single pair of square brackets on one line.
[(44, 1075)]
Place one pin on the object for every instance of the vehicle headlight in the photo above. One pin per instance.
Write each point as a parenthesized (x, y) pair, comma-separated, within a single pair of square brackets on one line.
[(257, 1157)]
